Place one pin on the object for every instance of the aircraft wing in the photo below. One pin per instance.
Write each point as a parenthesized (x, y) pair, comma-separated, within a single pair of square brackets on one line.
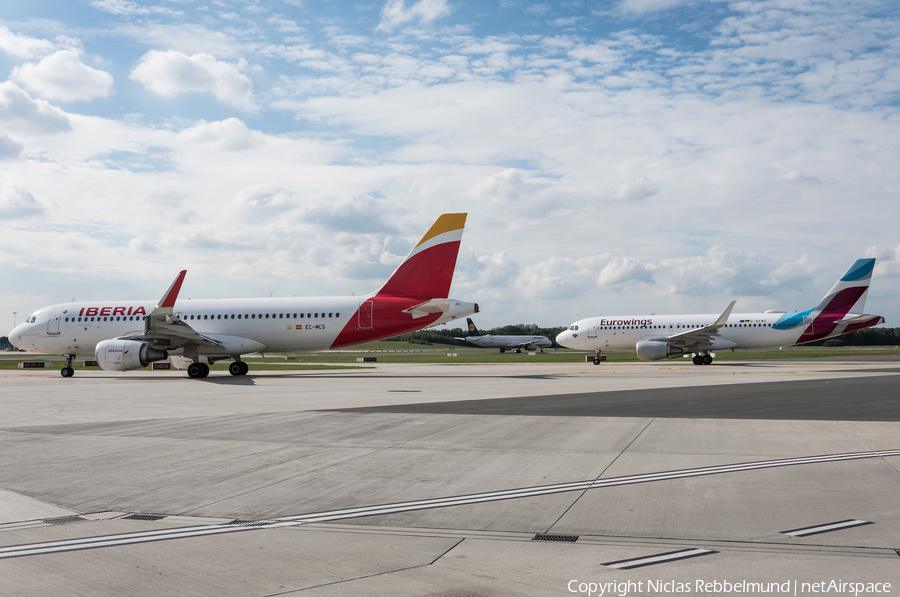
[(163, 328), (705, 334)]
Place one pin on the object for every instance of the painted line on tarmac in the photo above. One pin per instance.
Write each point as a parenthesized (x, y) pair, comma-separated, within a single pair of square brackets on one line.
[(661, 558), (826, 528), (425, 504)]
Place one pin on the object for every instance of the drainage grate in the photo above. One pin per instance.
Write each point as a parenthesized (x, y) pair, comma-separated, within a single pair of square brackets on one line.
[(144, 517), (548, 537), (249, 523), (64, 519)]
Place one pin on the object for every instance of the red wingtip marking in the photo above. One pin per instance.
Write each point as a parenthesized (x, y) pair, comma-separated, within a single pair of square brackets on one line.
[(174, 289)]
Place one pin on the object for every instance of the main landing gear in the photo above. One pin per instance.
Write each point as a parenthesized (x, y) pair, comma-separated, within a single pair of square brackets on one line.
[(67, 371), (198, 370), (704, 359), (238, 368)]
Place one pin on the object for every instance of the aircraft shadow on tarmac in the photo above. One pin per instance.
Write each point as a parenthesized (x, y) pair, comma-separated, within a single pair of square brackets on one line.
[(874, 398)]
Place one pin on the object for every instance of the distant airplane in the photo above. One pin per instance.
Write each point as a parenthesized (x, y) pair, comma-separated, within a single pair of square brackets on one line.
[(656, 337), (505, 343), (126, 335)]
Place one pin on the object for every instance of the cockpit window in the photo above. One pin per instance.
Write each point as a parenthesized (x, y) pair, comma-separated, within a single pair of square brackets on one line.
[(574, 328)]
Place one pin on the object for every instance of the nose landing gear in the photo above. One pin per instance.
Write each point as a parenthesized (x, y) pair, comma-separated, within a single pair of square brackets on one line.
[(68, 371)]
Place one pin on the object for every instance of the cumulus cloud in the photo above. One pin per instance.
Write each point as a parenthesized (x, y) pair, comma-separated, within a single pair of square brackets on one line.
[(264, 202), (142, 244), (22, 46), (351, 214), (635, 189), (9, 148), (619, 272), (16, 202), (128, 8), (507, 186), (559, 277), (18, 110), (395, 12), (173, 73), (640, 7), (62, 76), (230, 134)]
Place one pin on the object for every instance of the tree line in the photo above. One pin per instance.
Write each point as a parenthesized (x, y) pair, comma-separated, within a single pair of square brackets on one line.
[(866, 337), (447, 336)]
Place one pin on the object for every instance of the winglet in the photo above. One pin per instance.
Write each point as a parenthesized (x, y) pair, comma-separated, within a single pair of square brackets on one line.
[(723, 318), (171, 295)]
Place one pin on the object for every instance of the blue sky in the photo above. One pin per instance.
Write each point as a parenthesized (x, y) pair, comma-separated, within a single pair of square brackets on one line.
[(614, 157)]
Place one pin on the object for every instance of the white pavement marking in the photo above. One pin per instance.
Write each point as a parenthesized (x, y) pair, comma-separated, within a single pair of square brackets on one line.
[(826, 528), (427, 504), (671, 556)]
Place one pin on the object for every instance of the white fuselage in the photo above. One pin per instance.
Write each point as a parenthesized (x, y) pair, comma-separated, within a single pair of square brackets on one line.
[(492, 341), (280, 324), (743, 330)]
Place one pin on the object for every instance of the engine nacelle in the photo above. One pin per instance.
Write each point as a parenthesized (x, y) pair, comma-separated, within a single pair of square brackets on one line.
[(650, 350), (126, 355)]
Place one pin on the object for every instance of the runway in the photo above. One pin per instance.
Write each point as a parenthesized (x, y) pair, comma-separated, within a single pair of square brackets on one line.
[(451, 479)]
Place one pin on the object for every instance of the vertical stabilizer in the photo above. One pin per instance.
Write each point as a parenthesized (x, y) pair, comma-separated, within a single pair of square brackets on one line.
[(428, 269), (473, 331), (848, 295)]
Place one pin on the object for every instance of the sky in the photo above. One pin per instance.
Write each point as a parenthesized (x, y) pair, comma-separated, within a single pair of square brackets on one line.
[(614, 157)]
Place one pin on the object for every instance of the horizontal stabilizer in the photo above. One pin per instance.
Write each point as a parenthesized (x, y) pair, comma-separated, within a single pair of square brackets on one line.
[(861, 319), (429, 308)]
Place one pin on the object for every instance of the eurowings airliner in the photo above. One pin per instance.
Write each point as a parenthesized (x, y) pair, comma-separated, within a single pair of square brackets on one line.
[(657, 337), (128, 335), (504, 343)]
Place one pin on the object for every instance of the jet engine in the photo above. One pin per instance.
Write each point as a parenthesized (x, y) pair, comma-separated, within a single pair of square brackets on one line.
[(650, 350), (125, 355)]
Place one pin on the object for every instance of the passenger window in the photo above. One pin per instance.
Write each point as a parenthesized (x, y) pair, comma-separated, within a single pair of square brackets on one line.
[(337, 315), (267, 315), (301, 316), (329, 315), (281, 316), (317, 314), (253, 316)]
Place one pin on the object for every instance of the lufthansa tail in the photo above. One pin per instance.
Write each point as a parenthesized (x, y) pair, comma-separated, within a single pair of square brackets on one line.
[(473, 331)]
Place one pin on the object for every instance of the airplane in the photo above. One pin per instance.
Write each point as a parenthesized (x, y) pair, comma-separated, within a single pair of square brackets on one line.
[(505, 343), (193, 334), (657, 337)]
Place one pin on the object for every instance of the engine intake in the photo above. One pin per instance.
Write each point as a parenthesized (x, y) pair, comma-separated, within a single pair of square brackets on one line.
[(126, 355), (650, 350)]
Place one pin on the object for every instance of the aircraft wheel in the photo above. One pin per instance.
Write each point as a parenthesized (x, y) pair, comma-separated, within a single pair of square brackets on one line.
[(235, 368), (707, 360), (502, 350), (596, 360), (205, 368), (67, 372), (518, 351), (698, 360), (246, 368), (195, 371)]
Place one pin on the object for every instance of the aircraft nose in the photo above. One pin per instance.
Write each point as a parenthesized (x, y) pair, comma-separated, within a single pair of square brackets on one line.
[(563, 338)]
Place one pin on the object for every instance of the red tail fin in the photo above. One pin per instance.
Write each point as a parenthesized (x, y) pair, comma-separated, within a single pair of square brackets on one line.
[(428, 269)]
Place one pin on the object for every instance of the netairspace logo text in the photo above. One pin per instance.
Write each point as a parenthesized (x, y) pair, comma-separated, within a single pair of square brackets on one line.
[(721, 587)]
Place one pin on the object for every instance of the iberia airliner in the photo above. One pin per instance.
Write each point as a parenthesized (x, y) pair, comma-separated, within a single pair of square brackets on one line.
[(656, 337), (127, 335)]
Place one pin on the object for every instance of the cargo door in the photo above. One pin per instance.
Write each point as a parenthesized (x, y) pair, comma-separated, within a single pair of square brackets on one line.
[(366, 321)]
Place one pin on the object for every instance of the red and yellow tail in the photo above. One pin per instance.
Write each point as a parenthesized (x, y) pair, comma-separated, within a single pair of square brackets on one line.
[(428, 269)]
